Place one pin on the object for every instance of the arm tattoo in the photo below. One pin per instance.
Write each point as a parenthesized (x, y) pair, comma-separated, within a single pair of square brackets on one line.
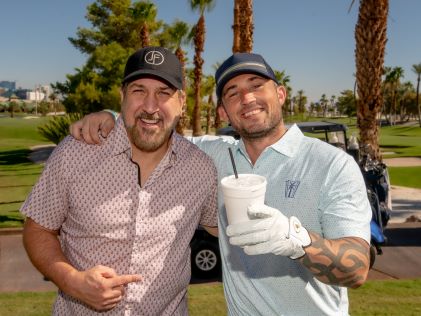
[(341, 262)]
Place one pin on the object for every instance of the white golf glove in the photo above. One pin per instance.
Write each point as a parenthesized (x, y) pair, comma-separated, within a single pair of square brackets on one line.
[(269, 231)]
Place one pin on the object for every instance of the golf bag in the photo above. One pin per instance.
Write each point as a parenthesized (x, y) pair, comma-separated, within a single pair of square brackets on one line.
[(378, 191)]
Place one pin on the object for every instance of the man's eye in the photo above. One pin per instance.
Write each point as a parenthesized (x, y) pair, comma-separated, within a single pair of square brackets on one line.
[(232, 94), (164, 93)]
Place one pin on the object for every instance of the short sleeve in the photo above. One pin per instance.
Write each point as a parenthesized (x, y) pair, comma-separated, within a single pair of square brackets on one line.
[(209, 215), (344, 205), (47, 203)]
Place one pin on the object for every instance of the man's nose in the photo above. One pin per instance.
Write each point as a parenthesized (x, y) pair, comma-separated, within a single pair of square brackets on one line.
[(150, 103), (247, 97)]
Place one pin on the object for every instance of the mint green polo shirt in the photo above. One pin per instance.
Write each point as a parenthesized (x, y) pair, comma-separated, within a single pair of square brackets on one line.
[(312, 180)]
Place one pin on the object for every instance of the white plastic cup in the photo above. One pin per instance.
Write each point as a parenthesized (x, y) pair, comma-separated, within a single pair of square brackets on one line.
[(240, 193)]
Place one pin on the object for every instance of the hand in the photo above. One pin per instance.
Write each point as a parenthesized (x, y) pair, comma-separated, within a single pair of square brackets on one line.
[(269, 231), (88, 128), (100, 287)]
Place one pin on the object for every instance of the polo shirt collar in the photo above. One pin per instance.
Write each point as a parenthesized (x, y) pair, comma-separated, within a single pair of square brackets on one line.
[(288, 144), (121, 143)]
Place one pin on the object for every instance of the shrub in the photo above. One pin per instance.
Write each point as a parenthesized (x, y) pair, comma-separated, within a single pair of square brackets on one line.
[(58, 127)]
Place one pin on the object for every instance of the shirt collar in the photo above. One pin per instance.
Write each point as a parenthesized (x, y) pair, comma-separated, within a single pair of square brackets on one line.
[(121, 143), (287, 145), (290, 142)]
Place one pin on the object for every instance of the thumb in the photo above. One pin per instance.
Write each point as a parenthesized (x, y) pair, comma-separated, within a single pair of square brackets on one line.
[(106, 127), (106, 272), (262, 211)]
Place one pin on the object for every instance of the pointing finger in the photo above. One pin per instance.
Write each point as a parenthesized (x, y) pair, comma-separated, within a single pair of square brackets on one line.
[(124, 279)]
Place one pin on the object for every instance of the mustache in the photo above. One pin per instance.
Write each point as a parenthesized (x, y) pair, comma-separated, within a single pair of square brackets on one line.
[(148, 116)]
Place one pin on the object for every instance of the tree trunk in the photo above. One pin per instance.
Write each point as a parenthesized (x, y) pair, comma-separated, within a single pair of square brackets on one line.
[(181, 125), (246, 26), (199, 40), (236, 28), (418, 100), (370, 36), (144, 35)]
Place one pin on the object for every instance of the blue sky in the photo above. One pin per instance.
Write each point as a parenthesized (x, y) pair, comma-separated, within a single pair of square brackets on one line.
[(312, 40)]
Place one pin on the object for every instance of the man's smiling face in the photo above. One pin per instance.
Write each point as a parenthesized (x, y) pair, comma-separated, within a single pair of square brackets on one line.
[(151, 109), (253, 105)]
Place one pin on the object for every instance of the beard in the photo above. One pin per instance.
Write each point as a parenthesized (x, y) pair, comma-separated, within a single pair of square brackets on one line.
[(262, 130), (148, 140)]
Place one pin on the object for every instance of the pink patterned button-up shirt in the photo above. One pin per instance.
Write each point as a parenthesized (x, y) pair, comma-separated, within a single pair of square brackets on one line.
[(92, 194)]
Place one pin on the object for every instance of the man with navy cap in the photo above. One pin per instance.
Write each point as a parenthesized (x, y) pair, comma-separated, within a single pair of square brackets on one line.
[(310, 241), (111, 225)]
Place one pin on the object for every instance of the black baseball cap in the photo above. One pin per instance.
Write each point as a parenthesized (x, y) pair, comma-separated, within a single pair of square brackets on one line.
[(156, 61), (241, 63)]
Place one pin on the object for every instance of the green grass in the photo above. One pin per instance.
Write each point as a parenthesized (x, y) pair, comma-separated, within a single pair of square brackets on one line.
[(17, 173), (397, 297), (402, 297), (401, 141), (406, 176)]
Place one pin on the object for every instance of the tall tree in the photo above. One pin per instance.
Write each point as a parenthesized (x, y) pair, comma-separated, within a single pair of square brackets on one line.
[(393, 77), (199, 43), (144, 14), (112, 37), (243, 26), (370, 36), (284, 80), (236, 28), (417, 70), (301, 101), (323, 101), (175, 36)]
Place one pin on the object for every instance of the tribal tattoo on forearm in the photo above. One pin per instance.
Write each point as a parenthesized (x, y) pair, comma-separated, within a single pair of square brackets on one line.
[(341, 262)]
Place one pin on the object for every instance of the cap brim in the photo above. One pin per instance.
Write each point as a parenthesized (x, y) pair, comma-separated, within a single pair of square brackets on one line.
[(240, 71), (145, 72)]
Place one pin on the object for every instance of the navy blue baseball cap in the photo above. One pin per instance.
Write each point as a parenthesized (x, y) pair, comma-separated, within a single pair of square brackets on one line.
[(241, 63), (154, 61)]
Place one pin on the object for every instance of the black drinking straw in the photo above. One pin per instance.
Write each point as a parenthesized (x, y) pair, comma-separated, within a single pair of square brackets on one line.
[(233, 163)]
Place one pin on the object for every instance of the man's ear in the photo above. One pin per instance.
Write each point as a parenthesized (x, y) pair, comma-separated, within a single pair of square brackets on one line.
[(282, 93), (183, 101), (222, 113), (121, 95)]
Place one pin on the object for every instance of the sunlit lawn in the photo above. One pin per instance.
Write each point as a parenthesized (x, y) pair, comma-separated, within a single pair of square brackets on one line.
[(397, 297)]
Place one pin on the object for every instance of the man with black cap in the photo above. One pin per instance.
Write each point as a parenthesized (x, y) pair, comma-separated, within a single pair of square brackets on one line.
[(111, 225), (310, 241)]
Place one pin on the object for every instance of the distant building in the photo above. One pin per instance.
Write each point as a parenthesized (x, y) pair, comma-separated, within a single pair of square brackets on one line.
[(9, 85), (41, 93), (35, 95)]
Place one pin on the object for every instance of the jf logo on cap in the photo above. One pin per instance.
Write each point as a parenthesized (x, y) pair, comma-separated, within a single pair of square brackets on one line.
[(242, 63), (154, 61)]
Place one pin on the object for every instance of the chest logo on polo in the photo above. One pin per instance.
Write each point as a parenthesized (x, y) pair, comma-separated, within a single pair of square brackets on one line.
[(291, 187)]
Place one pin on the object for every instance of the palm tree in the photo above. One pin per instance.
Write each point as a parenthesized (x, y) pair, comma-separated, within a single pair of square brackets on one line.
[(236, 28), (370, 36), (284, 80), (393, 79), (175, 36), (301, 101), (144, 13), (199, 43), (417, 70), (243, 26), (208, 88), (323, 102)]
